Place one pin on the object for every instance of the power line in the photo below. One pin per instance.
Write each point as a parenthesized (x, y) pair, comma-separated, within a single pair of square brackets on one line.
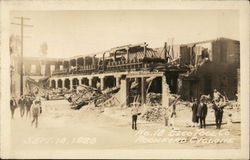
[(22, 25)]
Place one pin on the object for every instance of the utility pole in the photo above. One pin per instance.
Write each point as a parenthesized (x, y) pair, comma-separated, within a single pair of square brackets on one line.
[(172, 48), (165, 51), (21, 55)]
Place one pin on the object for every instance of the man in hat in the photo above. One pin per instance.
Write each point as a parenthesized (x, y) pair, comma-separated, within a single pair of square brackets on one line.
[(202, 112), (218, 107), (29, 102), (21, 104), (13, 106), (194, 111), (135, 113), (35, 110)]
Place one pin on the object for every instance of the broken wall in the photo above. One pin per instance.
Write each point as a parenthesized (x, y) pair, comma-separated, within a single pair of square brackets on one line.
[(194, 54), (226, 51), (208, 77), (216, 64)]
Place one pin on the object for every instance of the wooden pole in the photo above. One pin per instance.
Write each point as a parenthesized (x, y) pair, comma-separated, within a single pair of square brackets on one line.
[(21, 54), (21, 64)]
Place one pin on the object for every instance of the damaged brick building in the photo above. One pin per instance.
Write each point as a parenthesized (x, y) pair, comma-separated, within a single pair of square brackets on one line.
[(213, 65), (190, 69)]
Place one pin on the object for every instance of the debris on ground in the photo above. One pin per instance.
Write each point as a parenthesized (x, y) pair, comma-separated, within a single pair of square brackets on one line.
[(87, 95), (153, 113), (153, 99)]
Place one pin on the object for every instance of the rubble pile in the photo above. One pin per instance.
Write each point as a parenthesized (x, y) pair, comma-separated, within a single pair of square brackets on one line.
[(82, 97), (55, 94), (153, 113), (153, 99), (108, 98), (89, 95), (108, 101)]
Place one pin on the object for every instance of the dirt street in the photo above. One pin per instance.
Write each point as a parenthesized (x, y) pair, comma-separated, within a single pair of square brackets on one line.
[(62, 128)]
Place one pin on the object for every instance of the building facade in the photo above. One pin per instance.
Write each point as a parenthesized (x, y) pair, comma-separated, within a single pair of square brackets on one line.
[(213, 65), (190, 69)]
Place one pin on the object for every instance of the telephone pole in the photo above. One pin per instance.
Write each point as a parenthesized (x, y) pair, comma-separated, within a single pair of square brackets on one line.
[(165, 51), (21, 55)]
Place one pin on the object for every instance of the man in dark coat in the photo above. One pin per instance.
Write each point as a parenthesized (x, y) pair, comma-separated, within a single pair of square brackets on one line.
[(29, 102), (202, 113), (218, 107), (21, 104), (194, 111), (13, 106)]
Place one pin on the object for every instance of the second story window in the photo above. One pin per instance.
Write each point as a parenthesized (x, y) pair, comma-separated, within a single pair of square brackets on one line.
[(43, 70), (33, 69), (61, 67), (52, 68)]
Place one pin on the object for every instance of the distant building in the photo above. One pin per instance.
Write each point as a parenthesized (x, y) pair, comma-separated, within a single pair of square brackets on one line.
[(34, 68)]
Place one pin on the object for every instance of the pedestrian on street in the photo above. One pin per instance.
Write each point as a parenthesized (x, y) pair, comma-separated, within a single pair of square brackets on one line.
[(202, 112), (13, 106), (29, 102), (21, 104), (135, 113), (194, 113), (35, 110), (218, 107)]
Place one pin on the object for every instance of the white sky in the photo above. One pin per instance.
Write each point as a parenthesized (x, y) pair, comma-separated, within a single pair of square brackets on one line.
[(72, 33)]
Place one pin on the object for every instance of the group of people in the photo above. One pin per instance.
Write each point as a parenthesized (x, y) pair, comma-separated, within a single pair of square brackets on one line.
[(199, 111), (30, 104), (200, 108)]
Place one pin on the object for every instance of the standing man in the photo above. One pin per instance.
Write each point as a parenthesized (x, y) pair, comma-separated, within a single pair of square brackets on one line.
[(202, 112), (194, 111), (218, 107), (13, 106), (21, 104), (135, 113), (35, 110), (28, 106)]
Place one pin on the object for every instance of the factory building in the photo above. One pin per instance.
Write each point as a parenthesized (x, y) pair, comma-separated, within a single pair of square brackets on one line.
[(190, 70)]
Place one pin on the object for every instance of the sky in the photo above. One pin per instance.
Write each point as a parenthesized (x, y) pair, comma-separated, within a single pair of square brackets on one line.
[(73, 33)]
